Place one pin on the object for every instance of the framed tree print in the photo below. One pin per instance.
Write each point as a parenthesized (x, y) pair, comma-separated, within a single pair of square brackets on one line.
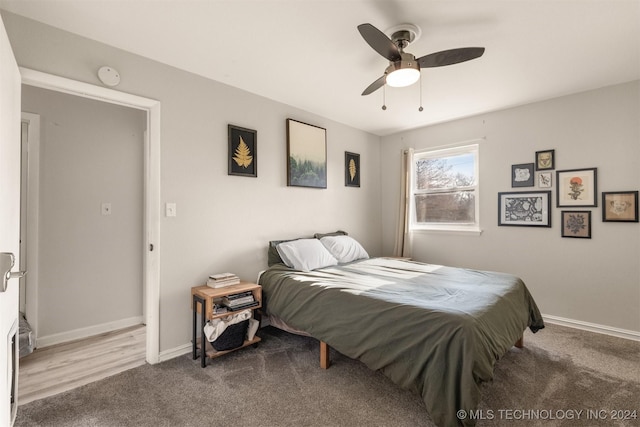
[(620, 206), (577, 188), (243, 154), (576, 224), (351, 169), (525, 209), (306, 155)]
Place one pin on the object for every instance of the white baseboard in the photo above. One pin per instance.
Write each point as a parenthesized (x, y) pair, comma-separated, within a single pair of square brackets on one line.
[(76, 334), (593, 327), (175, 352)]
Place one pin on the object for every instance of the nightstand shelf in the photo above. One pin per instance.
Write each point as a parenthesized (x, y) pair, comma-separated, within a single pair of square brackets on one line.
[(202, 301)]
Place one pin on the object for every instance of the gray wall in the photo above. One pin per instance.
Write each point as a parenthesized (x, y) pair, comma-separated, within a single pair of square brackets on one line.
[(90, 265), (223, 222), (589, 280)]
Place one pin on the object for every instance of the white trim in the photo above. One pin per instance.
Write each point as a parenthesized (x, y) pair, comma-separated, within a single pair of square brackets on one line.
[(468, 231), (593, 327), (89, 331), (152, 185), (33, 222), (175, 352), (469, 147)]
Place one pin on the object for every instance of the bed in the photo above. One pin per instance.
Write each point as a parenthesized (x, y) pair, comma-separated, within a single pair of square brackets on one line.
[(434, 329)]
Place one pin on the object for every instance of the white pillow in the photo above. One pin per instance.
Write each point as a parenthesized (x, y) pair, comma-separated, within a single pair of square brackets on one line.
[(344, 248), (305, 254)]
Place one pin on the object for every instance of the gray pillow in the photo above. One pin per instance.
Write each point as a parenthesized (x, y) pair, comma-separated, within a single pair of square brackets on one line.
[(335, 233)]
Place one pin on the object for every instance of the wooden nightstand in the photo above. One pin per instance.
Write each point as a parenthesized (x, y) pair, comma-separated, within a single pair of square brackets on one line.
[(202, 301)]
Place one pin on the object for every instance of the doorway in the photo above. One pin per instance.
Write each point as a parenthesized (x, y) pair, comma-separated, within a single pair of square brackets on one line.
[(151, 193)]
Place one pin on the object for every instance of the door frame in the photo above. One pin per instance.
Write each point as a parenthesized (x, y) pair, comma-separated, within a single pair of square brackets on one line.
[(29, 217), (151, 241)]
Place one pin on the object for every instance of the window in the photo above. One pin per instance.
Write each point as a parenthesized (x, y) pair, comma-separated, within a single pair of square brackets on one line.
[(444, 189)]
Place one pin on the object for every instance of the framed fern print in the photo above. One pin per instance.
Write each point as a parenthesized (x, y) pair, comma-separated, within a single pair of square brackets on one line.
[(351, 169), (243, 153)]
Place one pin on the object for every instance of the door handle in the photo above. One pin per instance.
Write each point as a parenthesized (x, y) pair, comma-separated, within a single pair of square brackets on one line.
[(7, 261)]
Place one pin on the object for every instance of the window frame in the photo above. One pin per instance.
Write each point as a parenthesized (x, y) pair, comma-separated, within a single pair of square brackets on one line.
[(470, 147)]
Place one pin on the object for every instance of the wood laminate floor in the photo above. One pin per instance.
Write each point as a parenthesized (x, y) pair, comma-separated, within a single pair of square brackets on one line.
[(63, 367)]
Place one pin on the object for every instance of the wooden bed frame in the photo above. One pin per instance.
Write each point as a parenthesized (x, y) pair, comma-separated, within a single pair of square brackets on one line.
[(325, 359)]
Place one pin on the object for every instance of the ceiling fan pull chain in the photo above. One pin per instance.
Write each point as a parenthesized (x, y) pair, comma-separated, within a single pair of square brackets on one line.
[(384, 98), (420, 109)]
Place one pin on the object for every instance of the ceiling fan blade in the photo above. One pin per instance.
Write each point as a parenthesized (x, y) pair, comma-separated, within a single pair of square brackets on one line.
[(379, 42), (375, 85), (449, 57)]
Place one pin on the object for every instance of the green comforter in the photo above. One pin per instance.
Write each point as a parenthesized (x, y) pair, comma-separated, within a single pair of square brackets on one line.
[(433, 329)]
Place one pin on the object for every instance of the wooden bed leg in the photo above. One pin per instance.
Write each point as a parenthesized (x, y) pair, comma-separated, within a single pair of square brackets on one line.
[(520, 342), (324, 355)]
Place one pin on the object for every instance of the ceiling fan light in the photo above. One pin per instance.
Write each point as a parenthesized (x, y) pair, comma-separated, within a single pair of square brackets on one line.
[(403, 77)]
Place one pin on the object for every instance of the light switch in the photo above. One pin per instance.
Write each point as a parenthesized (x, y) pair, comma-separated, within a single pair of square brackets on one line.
[(170, 209), (106, 209)]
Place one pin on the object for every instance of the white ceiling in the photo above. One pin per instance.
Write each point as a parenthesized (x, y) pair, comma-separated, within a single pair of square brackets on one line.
[(309, 54)]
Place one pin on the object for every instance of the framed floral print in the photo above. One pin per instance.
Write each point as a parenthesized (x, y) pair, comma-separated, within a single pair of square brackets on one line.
[(577, 188), (526, 209), (620, 206), (576, 224), (544, 179)]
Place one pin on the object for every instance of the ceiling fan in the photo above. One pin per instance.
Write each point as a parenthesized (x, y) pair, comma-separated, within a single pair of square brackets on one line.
[(404, 67)]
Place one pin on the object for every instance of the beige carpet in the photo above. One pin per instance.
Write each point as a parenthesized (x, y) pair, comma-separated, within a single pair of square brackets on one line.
[(563, 377)]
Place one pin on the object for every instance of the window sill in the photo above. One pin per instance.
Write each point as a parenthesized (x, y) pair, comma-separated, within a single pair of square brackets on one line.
[(457, 231)]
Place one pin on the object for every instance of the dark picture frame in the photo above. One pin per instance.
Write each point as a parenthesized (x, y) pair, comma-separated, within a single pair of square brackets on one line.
[(524, 209), (545, 160), (620, 206), (243, 153), (522, 175), (576, 224), (351, 169), (577, 188), (306, 155)]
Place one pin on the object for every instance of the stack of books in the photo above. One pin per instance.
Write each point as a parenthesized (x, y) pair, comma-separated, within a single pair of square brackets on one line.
[(239, 301), (222, 279)]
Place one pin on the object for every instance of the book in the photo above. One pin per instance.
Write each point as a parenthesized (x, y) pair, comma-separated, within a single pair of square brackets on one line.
[(239, 295), (238, 301), (244, 306), (222, 279)]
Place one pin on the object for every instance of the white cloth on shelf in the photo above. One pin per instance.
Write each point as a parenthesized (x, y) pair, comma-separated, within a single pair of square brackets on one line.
[(214, 328)]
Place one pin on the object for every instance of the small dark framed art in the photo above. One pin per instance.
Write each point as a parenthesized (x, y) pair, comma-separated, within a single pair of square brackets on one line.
[(545, 160), (576, 224), (306, 155), (243, 153), (620, 206), (522, 175), (525, 209), (577, 188), (351, 169)]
